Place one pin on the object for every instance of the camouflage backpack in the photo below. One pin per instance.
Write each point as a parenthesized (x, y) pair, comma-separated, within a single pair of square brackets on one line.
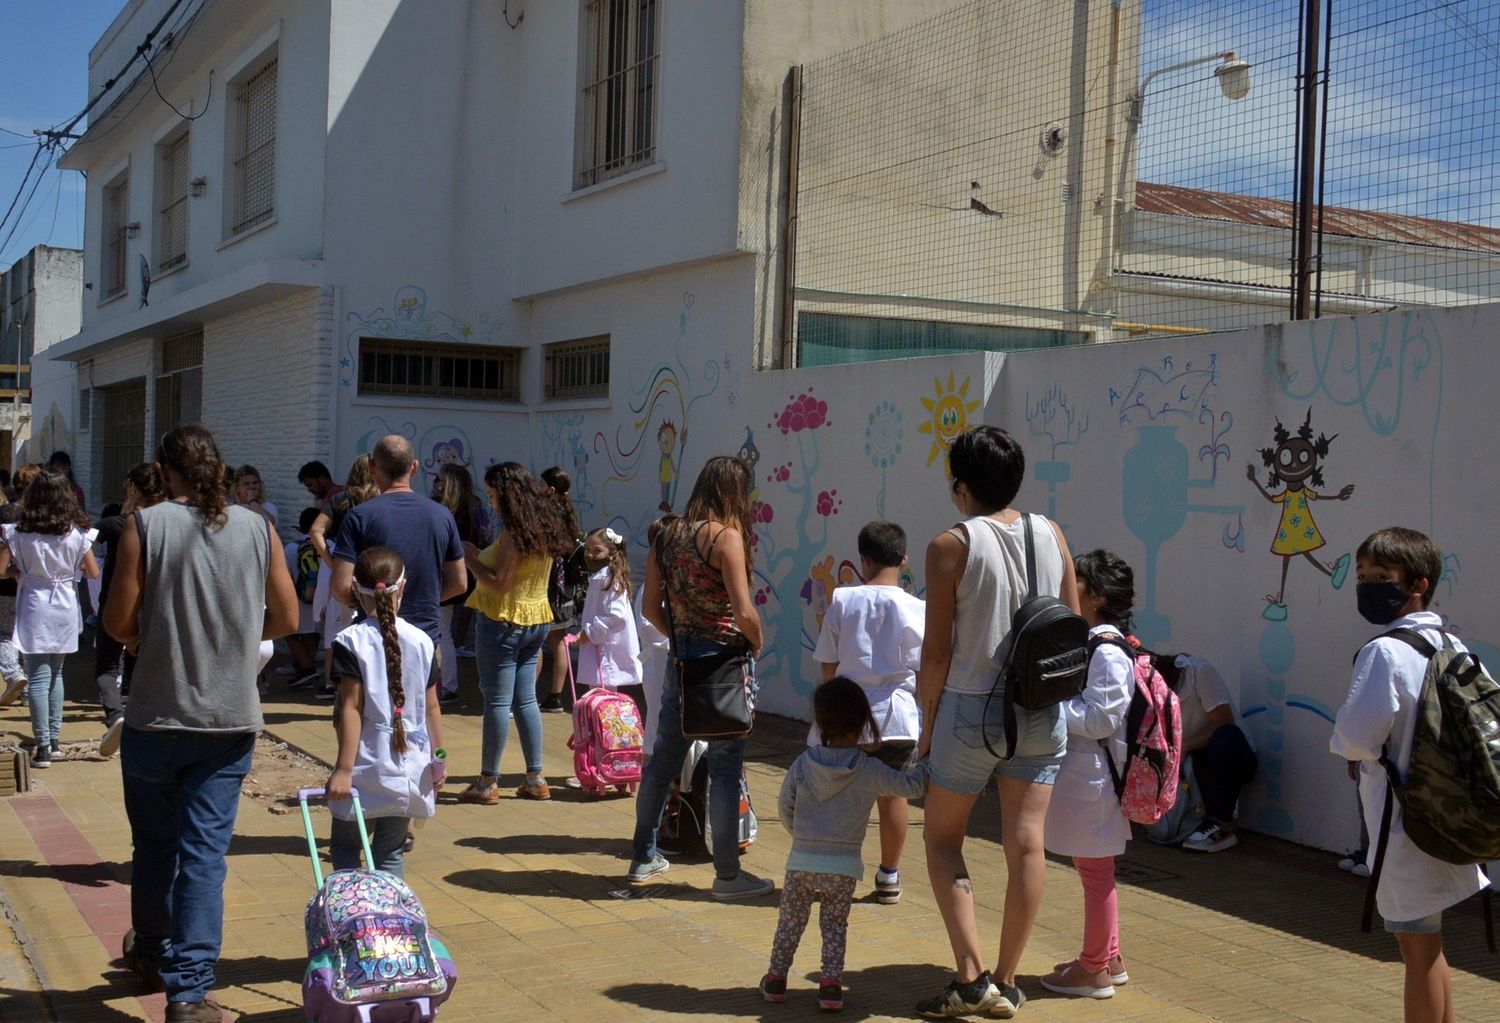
[(1450, 799)]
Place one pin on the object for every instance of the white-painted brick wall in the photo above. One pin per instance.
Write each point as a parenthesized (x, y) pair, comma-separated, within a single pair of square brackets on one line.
[(266, 393)]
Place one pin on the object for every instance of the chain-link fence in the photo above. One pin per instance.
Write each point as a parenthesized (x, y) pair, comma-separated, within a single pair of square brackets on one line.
[(1026, 173)]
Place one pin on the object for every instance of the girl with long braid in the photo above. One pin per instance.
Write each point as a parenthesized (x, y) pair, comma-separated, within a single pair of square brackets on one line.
[(388, 721)]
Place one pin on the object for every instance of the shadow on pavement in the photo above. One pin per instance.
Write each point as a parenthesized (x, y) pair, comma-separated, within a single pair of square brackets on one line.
[(880, 991), (89, 875), (557, 845)]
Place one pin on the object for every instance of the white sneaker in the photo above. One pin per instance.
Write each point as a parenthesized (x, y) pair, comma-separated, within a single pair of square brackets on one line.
[(12, 690), (743, 885), (1360, 870), (1211, 838), (110, 744)]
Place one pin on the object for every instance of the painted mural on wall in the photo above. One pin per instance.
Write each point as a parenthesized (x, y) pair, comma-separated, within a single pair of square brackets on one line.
[(1157, 478), (655, 434), (48, 434), (833, 447), (408, 318)]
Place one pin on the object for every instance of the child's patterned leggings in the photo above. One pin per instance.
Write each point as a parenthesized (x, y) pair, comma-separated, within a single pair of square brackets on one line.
[(800, 890)]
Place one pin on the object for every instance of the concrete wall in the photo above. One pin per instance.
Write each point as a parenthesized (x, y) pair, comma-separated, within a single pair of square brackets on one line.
[(1142, 448), (56, 307), (266, 393)]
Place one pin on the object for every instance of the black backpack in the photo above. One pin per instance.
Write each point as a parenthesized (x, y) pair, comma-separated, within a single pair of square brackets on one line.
[(1048, 660), (568, 585)]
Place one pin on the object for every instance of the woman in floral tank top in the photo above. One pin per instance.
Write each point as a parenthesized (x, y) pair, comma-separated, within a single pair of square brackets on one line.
[(707, 561)]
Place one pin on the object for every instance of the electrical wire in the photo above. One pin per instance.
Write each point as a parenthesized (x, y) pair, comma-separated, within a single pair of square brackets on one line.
[(40, 148), (179, 113), (16, 221)]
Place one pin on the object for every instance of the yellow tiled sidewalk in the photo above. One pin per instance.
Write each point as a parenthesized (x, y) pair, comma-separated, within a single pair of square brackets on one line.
[(530, 898)]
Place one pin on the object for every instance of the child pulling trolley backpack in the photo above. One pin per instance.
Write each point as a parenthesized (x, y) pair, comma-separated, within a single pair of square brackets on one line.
[(371, 956)]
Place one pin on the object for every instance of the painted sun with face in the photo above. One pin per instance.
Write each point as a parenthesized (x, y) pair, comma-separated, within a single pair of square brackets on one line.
[(950, 415)]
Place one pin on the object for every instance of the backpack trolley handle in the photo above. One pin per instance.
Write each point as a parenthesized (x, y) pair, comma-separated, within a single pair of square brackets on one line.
[(303, 795)]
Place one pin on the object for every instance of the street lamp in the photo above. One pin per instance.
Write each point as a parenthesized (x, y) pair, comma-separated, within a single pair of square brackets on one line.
[(1233, 75)]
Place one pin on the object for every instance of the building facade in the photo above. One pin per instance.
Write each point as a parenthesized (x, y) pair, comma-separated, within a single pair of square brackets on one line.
[(39, 306)]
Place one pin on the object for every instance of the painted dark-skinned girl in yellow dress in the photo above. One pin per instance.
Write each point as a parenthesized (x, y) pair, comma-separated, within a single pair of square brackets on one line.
[(1294, 461)]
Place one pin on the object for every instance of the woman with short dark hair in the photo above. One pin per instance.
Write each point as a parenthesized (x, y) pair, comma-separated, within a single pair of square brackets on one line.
[(976, 580)]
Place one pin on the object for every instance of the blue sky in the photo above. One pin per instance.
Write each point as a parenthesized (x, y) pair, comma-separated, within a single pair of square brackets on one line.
[(1415, 113), (44, 80)]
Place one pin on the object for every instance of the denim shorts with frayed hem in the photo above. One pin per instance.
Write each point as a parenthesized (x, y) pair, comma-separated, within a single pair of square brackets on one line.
[(1430, 924), (961, 763)]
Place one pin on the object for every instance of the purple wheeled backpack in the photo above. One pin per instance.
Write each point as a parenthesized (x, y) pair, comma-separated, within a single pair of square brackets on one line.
[(371, 956)]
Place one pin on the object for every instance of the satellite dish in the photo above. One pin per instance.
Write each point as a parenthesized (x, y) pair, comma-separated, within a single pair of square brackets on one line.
[(145, 279)]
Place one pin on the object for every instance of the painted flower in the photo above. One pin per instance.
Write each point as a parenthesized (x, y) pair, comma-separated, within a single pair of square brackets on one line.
[(802, 412), (883, 435), (828, 503)]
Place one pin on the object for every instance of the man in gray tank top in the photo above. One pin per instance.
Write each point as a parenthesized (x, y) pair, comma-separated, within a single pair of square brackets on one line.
[(196, 588)]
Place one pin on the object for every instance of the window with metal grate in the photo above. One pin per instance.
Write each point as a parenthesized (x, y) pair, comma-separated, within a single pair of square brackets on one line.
[(621, 58), (421, 369), (116, 215), (576, 369), (255, 149), (173, 195)]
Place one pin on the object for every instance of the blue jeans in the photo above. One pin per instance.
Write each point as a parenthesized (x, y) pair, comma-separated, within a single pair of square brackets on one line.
[(182, 791), (44, 691), (506, 657), (726, 762), (387, 837)]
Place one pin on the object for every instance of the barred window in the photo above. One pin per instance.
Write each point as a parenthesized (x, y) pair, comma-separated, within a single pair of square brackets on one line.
[(116, 215), (621, 56), (255, 149), (577, 369), (179, 384), (173, 194), (424, 369)]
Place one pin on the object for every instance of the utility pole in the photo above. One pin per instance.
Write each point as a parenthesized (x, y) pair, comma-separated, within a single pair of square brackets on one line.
[(1307, 158)]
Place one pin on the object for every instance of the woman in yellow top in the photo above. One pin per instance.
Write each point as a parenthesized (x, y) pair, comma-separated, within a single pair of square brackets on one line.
[(512, 621)]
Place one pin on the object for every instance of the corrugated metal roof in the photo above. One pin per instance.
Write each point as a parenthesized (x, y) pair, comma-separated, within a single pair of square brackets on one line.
[(1337, 220)]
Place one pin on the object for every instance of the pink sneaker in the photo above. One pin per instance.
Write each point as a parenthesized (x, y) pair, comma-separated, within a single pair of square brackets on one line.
[(1117, 974), (1073, 979)]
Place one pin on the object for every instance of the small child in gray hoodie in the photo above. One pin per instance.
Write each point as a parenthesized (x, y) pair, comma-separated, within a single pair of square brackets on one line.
[(825, 803)]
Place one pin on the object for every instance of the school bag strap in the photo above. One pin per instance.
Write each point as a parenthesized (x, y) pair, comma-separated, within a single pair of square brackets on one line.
[(1132, 715), (1010, 690)]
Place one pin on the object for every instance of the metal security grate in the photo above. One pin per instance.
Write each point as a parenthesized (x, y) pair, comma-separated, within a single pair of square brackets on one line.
[(179, 386), (622, 48), (116, 213), (577, 369), (420, 369), (172, 240), (255, 150)]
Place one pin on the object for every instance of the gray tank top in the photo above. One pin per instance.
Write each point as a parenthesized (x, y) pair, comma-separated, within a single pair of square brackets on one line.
[(992, 588), (202, 611)]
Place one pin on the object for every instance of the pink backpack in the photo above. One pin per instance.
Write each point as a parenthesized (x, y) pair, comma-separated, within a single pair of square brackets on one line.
[(1147, 786), (606, 740)]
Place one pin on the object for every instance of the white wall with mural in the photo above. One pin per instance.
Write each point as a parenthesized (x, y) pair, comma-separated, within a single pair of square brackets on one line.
[(1162, 451)]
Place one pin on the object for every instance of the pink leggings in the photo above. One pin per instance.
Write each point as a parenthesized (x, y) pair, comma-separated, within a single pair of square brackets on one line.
[(1101, 912)]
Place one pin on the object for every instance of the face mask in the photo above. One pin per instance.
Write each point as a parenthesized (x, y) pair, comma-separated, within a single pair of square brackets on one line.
[(594, 564), (1380, 603)]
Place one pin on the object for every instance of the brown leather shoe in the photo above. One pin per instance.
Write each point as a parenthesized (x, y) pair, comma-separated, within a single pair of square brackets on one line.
[(130, 956), (478, 792), (206, 1011), (534, 790)]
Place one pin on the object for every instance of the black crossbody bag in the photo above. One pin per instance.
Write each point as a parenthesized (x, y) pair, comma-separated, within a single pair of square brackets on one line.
[(716, 690)]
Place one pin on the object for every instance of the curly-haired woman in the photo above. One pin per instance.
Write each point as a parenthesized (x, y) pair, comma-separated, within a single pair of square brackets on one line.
[(512, 622)]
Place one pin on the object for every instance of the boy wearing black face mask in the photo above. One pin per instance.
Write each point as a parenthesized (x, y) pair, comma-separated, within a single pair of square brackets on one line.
[(1397, 571)]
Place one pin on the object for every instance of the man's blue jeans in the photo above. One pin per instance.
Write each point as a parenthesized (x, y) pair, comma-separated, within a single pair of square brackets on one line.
[(506, 656), (726, 761), (182, 792)]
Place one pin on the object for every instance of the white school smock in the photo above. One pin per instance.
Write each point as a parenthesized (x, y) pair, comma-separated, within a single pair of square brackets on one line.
[(612, 656), (1378, 712), (47, 615), (1084, 817), (388, 786), (873, 634), (655, 655)]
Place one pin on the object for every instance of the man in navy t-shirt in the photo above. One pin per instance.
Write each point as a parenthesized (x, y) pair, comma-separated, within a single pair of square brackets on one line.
[(413, 525)]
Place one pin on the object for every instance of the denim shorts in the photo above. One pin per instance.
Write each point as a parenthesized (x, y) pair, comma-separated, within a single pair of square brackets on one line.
[(959, 760), (1430, 924)]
